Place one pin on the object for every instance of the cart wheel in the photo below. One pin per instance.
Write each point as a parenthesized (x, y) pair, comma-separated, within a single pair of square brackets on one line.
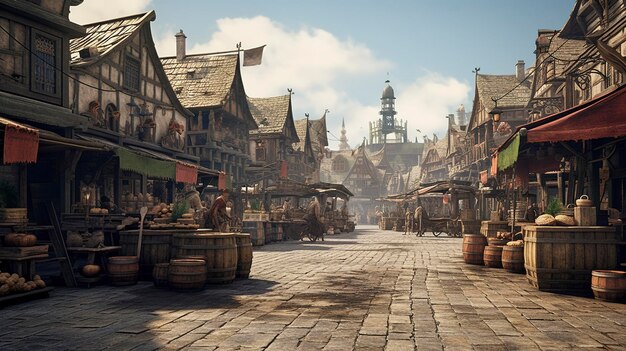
[(312, 237)]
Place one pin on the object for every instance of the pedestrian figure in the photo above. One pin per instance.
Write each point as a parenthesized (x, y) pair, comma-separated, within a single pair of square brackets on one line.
[(218, 215), (418, 219), (313, 220), (408, 221)]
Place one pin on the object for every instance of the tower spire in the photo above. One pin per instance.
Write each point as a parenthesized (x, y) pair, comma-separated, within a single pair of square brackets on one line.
[(343, 139)]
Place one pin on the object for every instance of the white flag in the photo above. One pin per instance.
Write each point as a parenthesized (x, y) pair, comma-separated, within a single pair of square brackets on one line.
[(253, 57)]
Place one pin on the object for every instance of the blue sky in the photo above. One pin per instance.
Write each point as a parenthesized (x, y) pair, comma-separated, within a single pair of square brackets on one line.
[(336, 54)]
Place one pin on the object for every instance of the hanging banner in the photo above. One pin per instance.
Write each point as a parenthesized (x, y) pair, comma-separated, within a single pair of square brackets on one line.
[(186, 173), (283, 169), (253, 57), (21, 144), (221, 181), (494, 165), (484, 177)]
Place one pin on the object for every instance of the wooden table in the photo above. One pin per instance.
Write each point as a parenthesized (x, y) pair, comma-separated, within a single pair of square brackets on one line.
[(24, 266)]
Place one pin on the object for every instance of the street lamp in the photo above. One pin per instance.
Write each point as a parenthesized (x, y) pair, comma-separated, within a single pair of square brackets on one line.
[(496, 113)]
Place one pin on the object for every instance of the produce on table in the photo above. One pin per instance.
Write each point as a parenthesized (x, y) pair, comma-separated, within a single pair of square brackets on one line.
[(545, 220), (14, 284)]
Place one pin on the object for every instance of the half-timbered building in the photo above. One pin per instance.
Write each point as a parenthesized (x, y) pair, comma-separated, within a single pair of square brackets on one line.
[(271, 143), (211, 87)]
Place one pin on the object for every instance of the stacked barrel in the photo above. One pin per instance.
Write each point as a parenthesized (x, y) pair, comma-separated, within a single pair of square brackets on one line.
[(473, 242), (198, 259)]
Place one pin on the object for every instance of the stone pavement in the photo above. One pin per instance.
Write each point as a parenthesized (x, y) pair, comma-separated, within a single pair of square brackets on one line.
[(368, 290)]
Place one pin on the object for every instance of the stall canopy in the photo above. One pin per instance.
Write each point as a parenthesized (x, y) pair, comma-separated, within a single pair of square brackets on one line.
[(339, 187), (602, 117), (21, 142), (150, 163), (445, 186)]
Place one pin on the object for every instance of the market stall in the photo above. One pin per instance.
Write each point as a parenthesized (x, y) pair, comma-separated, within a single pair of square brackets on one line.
[(446, 204), (574, 234)]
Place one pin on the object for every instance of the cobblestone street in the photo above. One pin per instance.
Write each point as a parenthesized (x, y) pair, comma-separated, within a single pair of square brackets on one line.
[(368, 290)]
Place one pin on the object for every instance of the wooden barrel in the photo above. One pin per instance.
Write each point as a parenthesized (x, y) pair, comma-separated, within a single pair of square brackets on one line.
[(155, 248), (470, 226), (490, 228), (279, 232), (493, 256), (123, 270), (562, 258), (513, 259), (244, 255), (608, 285), (255, 229), (187, 274), (268, 232), (497, 242), (473, 247), (159, 274), (219, 250)]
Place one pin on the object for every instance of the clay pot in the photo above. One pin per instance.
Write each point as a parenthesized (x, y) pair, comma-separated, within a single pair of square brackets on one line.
[(90, 270), (584, 201)]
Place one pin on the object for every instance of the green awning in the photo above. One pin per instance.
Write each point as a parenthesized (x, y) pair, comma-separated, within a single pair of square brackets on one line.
[(508, 156), (151, 167)]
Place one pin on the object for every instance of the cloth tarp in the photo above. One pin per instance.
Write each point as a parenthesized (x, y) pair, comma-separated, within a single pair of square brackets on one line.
[(186, 174), (134, 162), (21, 143), (604, 118), (508, 156)]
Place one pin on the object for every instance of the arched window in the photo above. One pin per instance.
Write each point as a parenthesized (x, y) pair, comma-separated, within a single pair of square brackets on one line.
[(340, 164), (112, 118)]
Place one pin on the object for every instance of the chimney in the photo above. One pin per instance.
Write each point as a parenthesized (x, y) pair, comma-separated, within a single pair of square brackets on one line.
[(520, 72), (180, 45)]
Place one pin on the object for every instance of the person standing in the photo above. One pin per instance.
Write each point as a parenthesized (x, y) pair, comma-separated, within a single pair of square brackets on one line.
[(313, 219), (218, 214)]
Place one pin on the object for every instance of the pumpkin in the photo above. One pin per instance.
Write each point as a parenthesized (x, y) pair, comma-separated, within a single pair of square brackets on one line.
[(27, 240), (90, 270), (12, 239)]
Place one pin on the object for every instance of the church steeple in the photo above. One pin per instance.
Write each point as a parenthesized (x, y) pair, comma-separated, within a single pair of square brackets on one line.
[(343, 139)]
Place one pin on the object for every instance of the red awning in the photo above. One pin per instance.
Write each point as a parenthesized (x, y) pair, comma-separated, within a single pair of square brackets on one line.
[(21, 143), (186, 173), (604, 117)]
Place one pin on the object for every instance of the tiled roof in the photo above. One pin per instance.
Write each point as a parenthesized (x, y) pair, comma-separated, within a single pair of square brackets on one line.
[(326, 166), (107, 35), (496, 86), (378, 156), (202, 80), (319, 137), (270, 113), (302, 126)]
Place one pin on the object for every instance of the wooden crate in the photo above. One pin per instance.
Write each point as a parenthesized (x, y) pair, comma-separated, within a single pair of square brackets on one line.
[(490, 228), (255, 216), (471, 226), (22, 252), (562, 258), (14, 215)]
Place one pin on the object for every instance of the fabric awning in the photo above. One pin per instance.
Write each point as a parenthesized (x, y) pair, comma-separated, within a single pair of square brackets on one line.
[(151, 167), (21, 143), (604, 117), (508, 156)]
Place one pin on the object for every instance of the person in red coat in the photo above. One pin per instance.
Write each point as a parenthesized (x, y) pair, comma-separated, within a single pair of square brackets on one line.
[(218, 215)]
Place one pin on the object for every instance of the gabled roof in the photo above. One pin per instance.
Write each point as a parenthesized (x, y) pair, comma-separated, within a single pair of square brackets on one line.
[(441, 147), (378, 156), (112, 35), (106, 36), (496, 86), (319, 133), (202, 80), (376, 173), (302, 128), (271, 114)]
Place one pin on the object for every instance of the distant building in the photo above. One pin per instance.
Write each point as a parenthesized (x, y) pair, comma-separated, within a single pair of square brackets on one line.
[(380, 167)]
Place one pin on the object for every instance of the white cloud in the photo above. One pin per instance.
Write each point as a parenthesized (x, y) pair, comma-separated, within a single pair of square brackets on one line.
[(427, 100), (97, 10)]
